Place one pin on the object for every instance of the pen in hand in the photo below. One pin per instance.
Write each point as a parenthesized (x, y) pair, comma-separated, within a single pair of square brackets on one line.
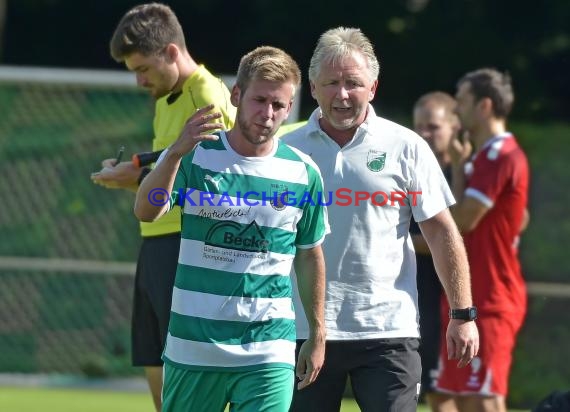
[(120, 155)]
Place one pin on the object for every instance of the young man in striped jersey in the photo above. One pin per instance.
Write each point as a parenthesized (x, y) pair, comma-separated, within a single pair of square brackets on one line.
[(232, 327)]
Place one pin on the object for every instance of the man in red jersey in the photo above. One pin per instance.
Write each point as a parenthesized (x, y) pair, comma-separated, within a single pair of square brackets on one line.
[(490, 182)]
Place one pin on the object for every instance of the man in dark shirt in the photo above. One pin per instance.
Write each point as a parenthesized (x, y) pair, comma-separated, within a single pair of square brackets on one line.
[(436, 121)]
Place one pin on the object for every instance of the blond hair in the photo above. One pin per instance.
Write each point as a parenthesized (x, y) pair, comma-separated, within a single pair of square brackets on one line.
[(267, 63)]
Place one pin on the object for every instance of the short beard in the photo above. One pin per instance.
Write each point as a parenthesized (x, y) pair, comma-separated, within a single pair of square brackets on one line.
[(245, 132)]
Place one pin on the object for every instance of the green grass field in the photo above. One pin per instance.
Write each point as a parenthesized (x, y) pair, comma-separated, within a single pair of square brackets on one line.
[(72, 400)]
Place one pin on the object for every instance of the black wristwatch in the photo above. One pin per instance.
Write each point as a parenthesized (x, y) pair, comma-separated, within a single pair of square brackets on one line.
[(469, 313)]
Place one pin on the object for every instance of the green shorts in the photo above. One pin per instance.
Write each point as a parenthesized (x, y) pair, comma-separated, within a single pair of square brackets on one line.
[(264, 390)]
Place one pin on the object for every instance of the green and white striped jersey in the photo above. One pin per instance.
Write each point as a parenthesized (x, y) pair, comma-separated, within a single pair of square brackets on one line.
[(243, 218)]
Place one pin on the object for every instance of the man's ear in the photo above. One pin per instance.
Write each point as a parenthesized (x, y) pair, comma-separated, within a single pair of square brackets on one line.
[(486, 106), (171, 53), (235, 95), (312, 90), (373, 90)]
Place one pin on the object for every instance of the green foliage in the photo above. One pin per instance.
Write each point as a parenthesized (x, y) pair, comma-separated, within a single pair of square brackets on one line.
[(66, 323), (544, 244), (541, 350), (51, 140), (422, 44)]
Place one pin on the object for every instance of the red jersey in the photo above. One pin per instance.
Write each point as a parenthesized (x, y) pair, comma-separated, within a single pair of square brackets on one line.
[(498, 177)]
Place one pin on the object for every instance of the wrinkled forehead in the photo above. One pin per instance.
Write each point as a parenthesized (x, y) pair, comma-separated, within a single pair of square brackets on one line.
[(344, 58), (354, 63)]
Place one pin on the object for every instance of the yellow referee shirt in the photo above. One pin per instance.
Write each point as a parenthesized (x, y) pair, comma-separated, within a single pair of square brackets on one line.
[(171, 113)]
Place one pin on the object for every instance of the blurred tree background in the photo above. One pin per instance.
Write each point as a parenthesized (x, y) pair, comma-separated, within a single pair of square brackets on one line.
[(422, 44)]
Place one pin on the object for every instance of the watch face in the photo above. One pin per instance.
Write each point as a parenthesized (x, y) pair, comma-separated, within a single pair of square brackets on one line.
[(472, 313)]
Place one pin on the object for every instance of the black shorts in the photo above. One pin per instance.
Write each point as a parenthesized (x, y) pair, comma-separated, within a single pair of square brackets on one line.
[(154, 281), (384, 375)]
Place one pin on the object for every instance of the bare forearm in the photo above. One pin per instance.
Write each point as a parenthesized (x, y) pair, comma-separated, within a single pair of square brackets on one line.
[(155, 186), (453, 270), (450, 259), (469, 210), (310, 270)]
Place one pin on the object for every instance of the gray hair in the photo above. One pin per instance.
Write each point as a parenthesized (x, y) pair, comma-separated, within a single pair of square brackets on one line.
[(336, 44)]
